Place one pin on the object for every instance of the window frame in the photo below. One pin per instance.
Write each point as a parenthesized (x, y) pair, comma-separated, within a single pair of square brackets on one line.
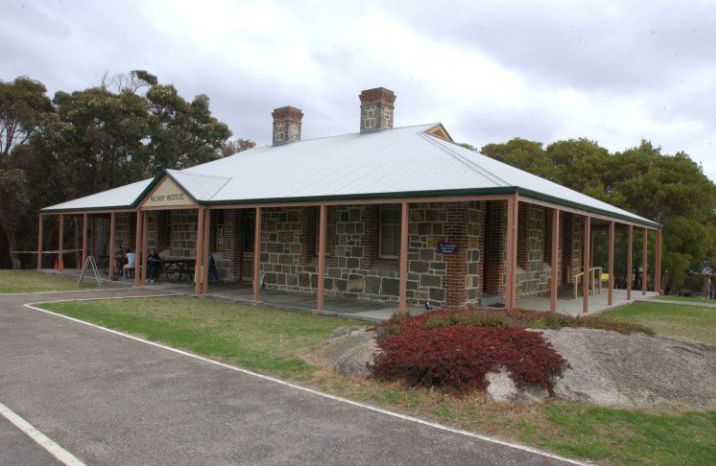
[(219, 226), (380, 231)]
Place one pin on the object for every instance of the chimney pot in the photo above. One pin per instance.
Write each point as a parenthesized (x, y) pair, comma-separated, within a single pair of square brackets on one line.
[(286, 125)]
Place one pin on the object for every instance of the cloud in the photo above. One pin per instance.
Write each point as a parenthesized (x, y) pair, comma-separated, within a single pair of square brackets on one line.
[(615, 72)]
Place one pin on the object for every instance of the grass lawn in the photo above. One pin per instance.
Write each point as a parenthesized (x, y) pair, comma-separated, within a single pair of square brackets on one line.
[(697, 323), (257, 338), (28, 281), (690, 299), (267, 340)]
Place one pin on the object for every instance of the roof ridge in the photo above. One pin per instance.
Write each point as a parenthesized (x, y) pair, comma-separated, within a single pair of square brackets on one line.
[(467, 162)]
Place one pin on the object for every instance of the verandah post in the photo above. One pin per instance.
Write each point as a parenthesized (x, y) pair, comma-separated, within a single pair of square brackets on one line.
[(645, 261), (511, 253), (145, 254), (657, 263), (110, 248), (198, 250), (205, 253), (257, 255), (40, 219), (403, 284), (554, 285), (84, 238), (587, 261), (630, 260), (320, 282), (60, 243), (610, 267), (137, 247)]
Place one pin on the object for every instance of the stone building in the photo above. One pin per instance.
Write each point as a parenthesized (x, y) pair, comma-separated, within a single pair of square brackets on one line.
[(400, 215)]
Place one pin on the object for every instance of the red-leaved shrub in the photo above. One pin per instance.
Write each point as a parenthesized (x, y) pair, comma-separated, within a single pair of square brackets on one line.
[(457, 358)]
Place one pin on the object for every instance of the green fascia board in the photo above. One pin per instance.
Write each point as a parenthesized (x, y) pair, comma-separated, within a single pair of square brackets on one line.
[(567, 203), (373, 196)]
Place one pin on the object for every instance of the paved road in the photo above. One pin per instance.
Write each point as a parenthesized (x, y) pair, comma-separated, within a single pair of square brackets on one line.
[(108, 399)]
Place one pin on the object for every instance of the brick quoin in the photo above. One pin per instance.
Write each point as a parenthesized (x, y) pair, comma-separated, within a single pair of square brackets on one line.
[(455, 281)]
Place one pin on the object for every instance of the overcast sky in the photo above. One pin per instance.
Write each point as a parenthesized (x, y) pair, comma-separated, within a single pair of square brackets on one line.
[(614, 72)]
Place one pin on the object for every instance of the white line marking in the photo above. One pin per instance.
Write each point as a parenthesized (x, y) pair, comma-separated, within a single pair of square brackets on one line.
[(312, 391), (41, 439)]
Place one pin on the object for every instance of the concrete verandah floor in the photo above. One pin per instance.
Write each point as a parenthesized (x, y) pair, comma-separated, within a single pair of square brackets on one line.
[(370, 310), (569, 306), (347, 307)]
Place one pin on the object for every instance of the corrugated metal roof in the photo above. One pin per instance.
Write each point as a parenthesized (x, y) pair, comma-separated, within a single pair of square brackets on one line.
[(123, 196), (401, 161)]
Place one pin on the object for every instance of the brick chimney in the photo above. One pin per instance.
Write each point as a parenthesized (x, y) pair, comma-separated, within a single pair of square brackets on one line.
[(286, 125), (376, 109)]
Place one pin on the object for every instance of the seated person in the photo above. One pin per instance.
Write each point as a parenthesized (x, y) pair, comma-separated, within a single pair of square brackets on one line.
[(154, 266), (119, 259), (131, 262)]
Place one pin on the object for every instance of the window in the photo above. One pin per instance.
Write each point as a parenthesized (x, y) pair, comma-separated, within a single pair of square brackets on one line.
[(218, 221), (247, 232), (389, 237), (164, 226)]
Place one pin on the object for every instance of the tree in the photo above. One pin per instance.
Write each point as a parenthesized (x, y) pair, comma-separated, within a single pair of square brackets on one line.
[(182, 133), (128, 128), (14, 204), (236, 146), (523, 154), (22, 104), (671, 189)]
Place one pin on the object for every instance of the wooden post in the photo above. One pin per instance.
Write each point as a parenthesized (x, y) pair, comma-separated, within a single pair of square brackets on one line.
[(145, 247), (320, 282), (84, 238), (511, 253), (630, 261), (554, 285), (90, 246), (645, 261), (60, 243), (206, 246), (587, 241), (403, 283), (137, 247), (657, 263), (40, 219), (610, 269), (110, 248), (257, 255), (198, 248)]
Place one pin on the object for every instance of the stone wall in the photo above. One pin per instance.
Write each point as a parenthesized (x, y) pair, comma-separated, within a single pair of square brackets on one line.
[(473, 274), (182, 238), (353, 268), (533, 269), (124, 234)]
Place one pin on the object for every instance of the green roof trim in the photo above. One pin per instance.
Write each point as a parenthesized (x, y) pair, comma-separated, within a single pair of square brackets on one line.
[(373, 196)]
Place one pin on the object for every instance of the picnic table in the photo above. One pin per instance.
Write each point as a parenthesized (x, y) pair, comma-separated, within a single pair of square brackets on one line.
[(178, 268)]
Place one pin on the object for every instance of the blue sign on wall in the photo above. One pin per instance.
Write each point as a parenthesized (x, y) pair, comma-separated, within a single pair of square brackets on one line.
[(447, 248)]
